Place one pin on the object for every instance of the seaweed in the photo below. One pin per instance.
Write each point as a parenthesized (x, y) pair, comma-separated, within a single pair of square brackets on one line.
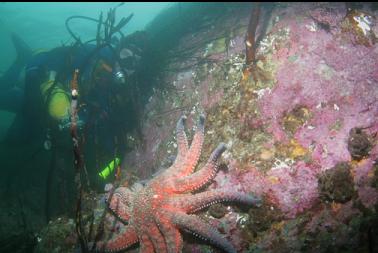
[(253, 38), (250, 42), (78, 162)]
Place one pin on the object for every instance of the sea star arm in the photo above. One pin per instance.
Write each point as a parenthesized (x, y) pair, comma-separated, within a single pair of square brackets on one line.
[(191, 158), (120, 242), (120, 203), (202, 176), (156, 237), (171, 234), (182, 141), (146, 245), (202, 200), (182, 147), (203, 230)]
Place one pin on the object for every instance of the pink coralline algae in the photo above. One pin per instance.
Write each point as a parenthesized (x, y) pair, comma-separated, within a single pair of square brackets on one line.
[(328, 18), (294, 189), (336, 81), (291, 188), (338, 89)]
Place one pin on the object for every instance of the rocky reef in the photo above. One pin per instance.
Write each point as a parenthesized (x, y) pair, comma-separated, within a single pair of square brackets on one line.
[(301, 131), (302, 134)]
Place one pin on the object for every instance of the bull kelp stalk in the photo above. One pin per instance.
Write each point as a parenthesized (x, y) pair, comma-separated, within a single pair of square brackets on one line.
[(109, 27), (251, 40), (78, 162)]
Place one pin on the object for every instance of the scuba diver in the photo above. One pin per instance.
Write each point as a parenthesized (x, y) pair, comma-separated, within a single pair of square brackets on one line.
[(106, 70), (41, 97), (103, 74)]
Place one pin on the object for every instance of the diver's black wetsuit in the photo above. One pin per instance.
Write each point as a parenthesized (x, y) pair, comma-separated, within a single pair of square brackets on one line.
[(108, 108), (28, 103)]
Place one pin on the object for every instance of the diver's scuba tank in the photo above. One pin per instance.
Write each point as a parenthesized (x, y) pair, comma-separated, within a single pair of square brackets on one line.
[(55, 98)]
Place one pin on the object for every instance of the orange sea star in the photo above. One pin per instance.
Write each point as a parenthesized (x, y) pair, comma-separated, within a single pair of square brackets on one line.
[(156, 213)]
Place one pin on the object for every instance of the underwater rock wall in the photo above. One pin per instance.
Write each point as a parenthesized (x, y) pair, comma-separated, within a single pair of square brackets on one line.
[(310, 104)]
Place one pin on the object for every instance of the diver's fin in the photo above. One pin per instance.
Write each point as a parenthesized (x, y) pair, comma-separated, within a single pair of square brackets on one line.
[(11, 100), (24, 52)]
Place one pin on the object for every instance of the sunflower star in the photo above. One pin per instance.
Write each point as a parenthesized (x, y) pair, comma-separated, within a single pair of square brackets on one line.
[(155, 213)]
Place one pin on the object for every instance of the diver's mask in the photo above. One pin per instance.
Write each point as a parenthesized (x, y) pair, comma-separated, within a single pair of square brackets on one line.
[(104, 73), (129, 60), (118, 74)]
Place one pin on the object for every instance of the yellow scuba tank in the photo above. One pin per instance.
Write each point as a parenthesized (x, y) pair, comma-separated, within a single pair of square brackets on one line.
[(58, 100)]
